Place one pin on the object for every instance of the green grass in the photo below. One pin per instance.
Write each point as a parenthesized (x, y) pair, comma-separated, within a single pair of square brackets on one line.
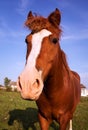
[(80, 120), (18, 114)]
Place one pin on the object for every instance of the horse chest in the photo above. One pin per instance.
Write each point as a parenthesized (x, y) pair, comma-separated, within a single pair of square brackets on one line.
[(49, 110)]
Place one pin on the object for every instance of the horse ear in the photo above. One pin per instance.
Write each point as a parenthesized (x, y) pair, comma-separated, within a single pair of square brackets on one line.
[(30, 15), (29, 18), (55, 17)]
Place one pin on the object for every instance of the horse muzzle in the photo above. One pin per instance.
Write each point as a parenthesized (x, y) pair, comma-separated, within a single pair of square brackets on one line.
[(30, 84)]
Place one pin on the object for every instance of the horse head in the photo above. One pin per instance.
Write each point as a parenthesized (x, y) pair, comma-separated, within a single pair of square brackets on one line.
[(42, 52)]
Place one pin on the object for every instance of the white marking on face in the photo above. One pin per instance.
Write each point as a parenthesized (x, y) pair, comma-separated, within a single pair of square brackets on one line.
[(36, 46)]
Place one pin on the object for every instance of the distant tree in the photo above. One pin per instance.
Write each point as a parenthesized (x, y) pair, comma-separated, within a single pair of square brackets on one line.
[(6, 82)]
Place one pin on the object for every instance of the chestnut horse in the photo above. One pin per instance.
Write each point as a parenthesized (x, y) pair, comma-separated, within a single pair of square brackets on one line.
[(47, 78)]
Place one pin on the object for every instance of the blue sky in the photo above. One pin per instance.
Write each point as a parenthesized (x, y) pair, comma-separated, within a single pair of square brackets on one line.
[(74, 39)]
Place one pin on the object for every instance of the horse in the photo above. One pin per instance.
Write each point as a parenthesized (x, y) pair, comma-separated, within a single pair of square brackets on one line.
[(47, 78)]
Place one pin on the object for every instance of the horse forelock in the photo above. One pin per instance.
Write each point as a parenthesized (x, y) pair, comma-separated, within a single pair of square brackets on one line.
[(37, 23)]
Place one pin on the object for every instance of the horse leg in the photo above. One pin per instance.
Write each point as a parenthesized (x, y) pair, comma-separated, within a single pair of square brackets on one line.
[(70, 125), (65, 123), (44, 123)]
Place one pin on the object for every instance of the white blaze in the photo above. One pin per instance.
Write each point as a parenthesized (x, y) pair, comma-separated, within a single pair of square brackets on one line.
[(36, 46)]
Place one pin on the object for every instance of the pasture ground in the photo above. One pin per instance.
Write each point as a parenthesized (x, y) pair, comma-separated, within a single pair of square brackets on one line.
[(18, 114)]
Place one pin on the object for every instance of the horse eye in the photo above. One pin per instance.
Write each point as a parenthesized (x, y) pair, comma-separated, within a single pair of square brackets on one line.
[(54, 40)]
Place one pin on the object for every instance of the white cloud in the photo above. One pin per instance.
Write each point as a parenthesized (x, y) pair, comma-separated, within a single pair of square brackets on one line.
[(22, 6), (7, 32), (77, 34)]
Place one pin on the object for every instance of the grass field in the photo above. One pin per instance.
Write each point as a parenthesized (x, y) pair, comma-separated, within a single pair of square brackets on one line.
[(18, 114)]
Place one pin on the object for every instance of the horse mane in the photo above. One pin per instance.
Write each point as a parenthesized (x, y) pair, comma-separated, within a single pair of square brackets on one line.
[(64, 60)]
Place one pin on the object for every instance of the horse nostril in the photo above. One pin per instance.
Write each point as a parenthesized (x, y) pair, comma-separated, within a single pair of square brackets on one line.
[(37, 81), (19, 84)]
